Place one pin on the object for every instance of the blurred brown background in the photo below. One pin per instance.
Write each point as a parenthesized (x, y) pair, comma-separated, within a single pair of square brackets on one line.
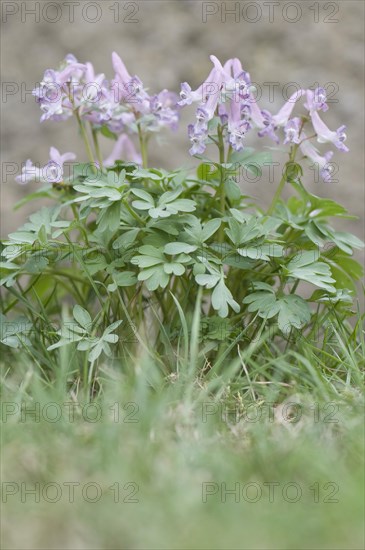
[(168, 42)]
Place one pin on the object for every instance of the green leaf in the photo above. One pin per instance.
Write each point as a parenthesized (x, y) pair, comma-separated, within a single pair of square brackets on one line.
[(154, 277), (174, 268), (305, 268), (222, 298), (126, 278), (207, 171), (303, 258), (210, 228), (146, 197), (207, 280), (82, 317), (107, 133), (264, 302), (292, 310), (178, 248), (23, 237), (251, 161), (240, 233), (125, 240), (294, 313), (345, 271), (141, 173), (170, 196), (109, 218), (232, 190)]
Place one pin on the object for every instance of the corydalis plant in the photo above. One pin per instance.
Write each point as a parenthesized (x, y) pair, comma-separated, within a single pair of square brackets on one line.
[(156, 248)]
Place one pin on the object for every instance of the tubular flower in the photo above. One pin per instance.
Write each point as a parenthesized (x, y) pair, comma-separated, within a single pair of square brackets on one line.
[(292, 130), (316, 100), (325, 135), (280, 120), (198, 140), (321, 162), (52, 172), (237, 127)]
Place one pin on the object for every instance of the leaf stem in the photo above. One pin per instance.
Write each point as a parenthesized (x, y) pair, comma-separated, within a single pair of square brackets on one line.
[(133, 213)]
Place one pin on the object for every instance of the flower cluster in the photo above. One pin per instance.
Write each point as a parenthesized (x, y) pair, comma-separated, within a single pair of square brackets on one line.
[(228, 95), (118, 104), (121, 106), (226, 111)]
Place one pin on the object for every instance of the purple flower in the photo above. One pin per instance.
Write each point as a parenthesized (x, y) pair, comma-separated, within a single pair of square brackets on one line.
[(127, 89), (237, 128), (125, 150), (269, 126), (198, 140), (239, 83), (236, 134), (273, 122), (164, 108), (246, 111), (120, 69), (257, 116), (325, 135), (188, 96), (120, 120), (282, 117), (93, 84), (211, 87), (29, 173), (223, 113), (316, 100), (212, 92), (321, 162), (55, 91), (52, 172), (93, 98), (292, 130), (56, 110)]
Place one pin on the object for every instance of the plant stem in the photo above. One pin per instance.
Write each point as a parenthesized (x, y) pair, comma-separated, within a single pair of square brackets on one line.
[(221, 185), (97, 147), (283, 180), (86, 141), (142, 144)]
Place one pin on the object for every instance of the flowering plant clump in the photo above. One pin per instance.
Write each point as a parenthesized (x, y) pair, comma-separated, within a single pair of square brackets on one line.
[(140, 254)]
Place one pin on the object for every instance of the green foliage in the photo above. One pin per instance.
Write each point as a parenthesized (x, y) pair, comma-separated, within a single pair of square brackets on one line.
[(142, 246), (82, 332)]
